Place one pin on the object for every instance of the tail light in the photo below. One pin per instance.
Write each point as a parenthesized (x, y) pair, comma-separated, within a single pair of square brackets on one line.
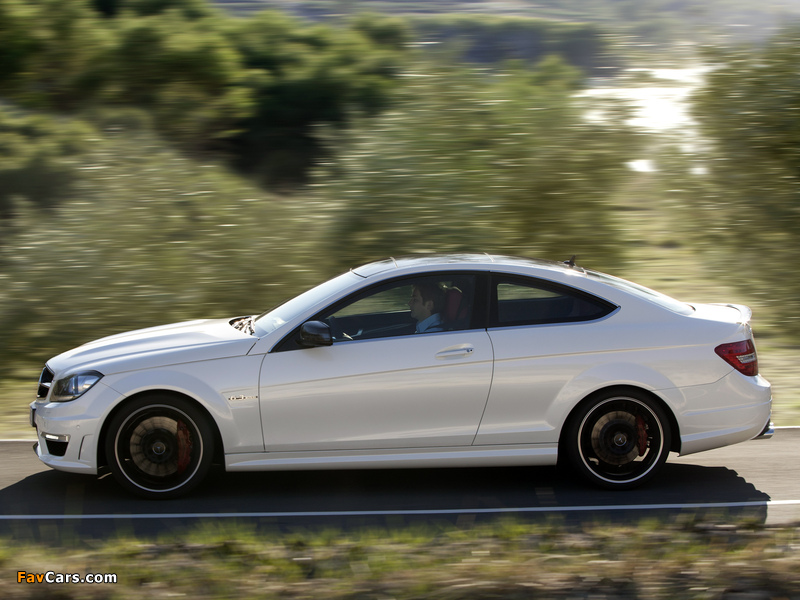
[(741, 356)]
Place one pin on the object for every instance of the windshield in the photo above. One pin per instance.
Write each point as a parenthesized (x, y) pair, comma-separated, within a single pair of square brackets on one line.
[(646, 293), (271, 320)]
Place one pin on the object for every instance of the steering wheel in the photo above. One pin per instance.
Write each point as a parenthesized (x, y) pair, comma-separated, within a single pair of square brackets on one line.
[(337, 333)]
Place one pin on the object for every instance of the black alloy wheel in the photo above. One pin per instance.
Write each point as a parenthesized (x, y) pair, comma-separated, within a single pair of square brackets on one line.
[(619, 441), (159, 446)]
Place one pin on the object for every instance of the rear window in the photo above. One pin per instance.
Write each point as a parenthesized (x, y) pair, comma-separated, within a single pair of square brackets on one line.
[(642, 292), (526, 301)]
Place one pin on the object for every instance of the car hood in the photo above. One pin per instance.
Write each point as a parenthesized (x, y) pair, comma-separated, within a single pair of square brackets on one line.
[(156, 346)]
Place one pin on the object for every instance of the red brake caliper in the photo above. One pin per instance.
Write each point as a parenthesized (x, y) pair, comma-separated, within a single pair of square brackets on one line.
[(184, 447), (641, 428)]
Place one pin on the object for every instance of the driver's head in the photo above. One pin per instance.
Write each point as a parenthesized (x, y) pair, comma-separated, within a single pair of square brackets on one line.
[(426, 299)]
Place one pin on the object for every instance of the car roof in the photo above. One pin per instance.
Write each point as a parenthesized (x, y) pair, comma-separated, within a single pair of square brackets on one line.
[(612, 289), (434, 261)]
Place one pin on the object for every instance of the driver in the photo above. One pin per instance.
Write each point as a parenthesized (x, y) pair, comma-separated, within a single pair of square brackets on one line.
[(426, 304)]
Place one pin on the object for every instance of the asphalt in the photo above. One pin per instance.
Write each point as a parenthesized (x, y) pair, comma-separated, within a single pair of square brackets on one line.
[(759, 480)]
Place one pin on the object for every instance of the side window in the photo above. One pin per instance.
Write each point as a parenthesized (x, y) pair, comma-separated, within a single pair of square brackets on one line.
[(521, 301), (409, 306), (381, 312), (395, 299)]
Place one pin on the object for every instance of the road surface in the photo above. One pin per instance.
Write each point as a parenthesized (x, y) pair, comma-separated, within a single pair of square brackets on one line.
[(758, 479)]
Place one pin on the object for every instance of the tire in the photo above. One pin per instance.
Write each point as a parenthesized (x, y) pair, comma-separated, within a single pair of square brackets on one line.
[(618, 440), (159, 447)]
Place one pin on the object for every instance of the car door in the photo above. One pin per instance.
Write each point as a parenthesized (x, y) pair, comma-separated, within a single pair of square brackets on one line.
[(544, 335), (381, 385)]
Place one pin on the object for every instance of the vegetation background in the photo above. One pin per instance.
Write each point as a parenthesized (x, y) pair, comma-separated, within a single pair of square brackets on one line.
[(163, 160)]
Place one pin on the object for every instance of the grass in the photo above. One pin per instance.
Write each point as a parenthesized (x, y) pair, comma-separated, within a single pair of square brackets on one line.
[(689, 558)]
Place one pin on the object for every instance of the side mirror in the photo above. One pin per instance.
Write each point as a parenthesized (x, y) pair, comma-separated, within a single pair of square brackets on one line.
[(314, 334)]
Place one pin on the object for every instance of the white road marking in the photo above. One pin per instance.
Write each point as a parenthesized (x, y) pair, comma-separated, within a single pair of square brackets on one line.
[(385, 513)]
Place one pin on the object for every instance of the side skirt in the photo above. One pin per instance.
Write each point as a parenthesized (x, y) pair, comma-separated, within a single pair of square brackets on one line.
[(469, 456)]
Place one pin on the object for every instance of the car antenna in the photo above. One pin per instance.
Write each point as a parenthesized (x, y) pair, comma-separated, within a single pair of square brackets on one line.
[(571, 262)]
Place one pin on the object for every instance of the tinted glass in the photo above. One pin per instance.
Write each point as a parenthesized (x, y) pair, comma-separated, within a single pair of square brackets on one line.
[(520, 301), (273, 319), (408, 306)]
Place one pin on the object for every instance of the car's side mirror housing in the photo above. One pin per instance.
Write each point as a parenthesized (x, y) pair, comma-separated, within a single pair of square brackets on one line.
[(314, 334)]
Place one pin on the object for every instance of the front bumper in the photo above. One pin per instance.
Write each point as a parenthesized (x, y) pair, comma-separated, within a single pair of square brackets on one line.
[(67, 432)]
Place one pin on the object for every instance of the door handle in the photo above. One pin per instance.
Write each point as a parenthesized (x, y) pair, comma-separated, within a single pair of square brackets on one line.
[(457, 352)]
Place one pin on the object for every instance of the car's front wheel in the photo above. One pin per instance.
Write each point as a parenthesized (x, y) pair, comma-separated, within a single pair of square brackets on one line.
[(159, 446), (618, 440)]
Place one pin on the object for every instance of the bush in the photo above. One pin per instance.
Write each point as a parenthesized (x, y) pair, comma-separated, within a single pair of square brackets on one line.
[(472, 161), (147, 238), (37, 160)]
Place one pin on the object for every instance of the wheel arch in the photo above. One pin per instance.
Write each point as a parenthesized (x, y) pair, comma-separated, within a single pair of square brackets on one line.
[(219, 451), (675, 441)]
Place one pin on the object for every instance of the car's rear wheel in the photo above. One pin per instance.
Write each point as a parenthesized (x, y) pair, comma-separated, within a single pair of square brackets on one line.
[(618, 440), (159, 446)]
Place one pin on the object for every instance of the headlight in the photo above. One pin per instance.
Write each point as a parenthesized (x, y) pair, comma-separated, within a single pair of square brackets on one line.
[(73, 386)]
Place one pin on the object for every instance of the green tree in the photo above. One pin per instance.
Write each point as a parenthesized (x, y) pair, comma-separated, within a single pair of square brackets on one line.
[(253, 88), (191, 9), (389, 32), (303, 75), (49, 51), (185, 71), (17, 40), (492, 39), (472, 161)]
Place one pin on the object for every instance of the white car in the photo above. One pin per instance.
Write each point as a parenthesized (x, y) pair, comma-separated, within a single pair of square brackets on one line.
[(435, 361)]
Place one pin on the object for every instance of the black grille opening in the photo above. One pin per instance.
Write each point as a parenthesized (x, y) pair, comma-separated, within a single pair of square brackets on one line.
[(45, 381), (56, 448)]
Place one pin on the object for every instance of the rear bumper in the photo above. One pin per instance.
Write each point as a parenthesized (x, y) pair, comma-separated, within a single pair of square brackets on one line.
[(769, 431), (732, 410)]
